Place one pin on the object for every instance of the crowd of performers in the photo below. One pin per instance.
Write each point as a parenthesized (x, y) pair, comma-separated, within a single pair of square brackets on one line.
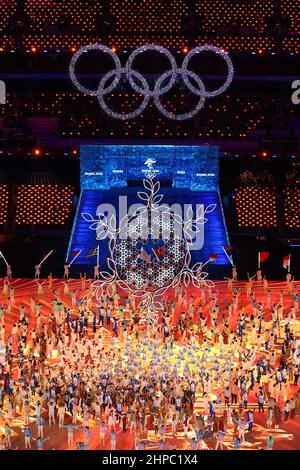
[(96, 369)]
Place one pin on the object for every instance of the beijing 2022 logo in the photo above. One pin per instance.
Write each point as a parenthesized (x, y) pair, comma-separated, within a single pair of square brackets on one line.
[(2, 92), (110, 81)]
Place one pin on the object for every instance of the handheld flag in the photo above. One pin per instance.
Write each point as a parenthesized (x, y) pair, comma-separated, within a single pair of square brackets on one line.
[(75, 253), (263, 256)]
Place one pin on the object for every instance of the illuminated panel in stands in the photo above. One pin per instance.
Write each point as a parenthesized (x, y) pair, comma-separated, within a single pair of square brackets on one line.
[(44, 204), (255, 207), (292, 208), (229, 117), (3, 203)]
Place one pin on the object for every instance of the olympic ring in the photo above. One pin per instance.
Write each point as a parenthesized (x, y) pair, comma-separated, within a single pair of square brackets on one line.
[(140, 85)]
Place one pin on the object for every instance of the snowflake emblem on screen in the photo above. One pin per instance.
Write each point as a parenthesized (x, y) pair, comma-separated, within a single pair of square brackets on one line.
[(149, 250)]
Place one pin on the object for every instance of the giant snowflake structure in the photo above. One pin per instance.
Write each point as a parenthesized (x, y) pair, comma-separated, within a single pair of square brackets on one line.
[(131, 268)]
